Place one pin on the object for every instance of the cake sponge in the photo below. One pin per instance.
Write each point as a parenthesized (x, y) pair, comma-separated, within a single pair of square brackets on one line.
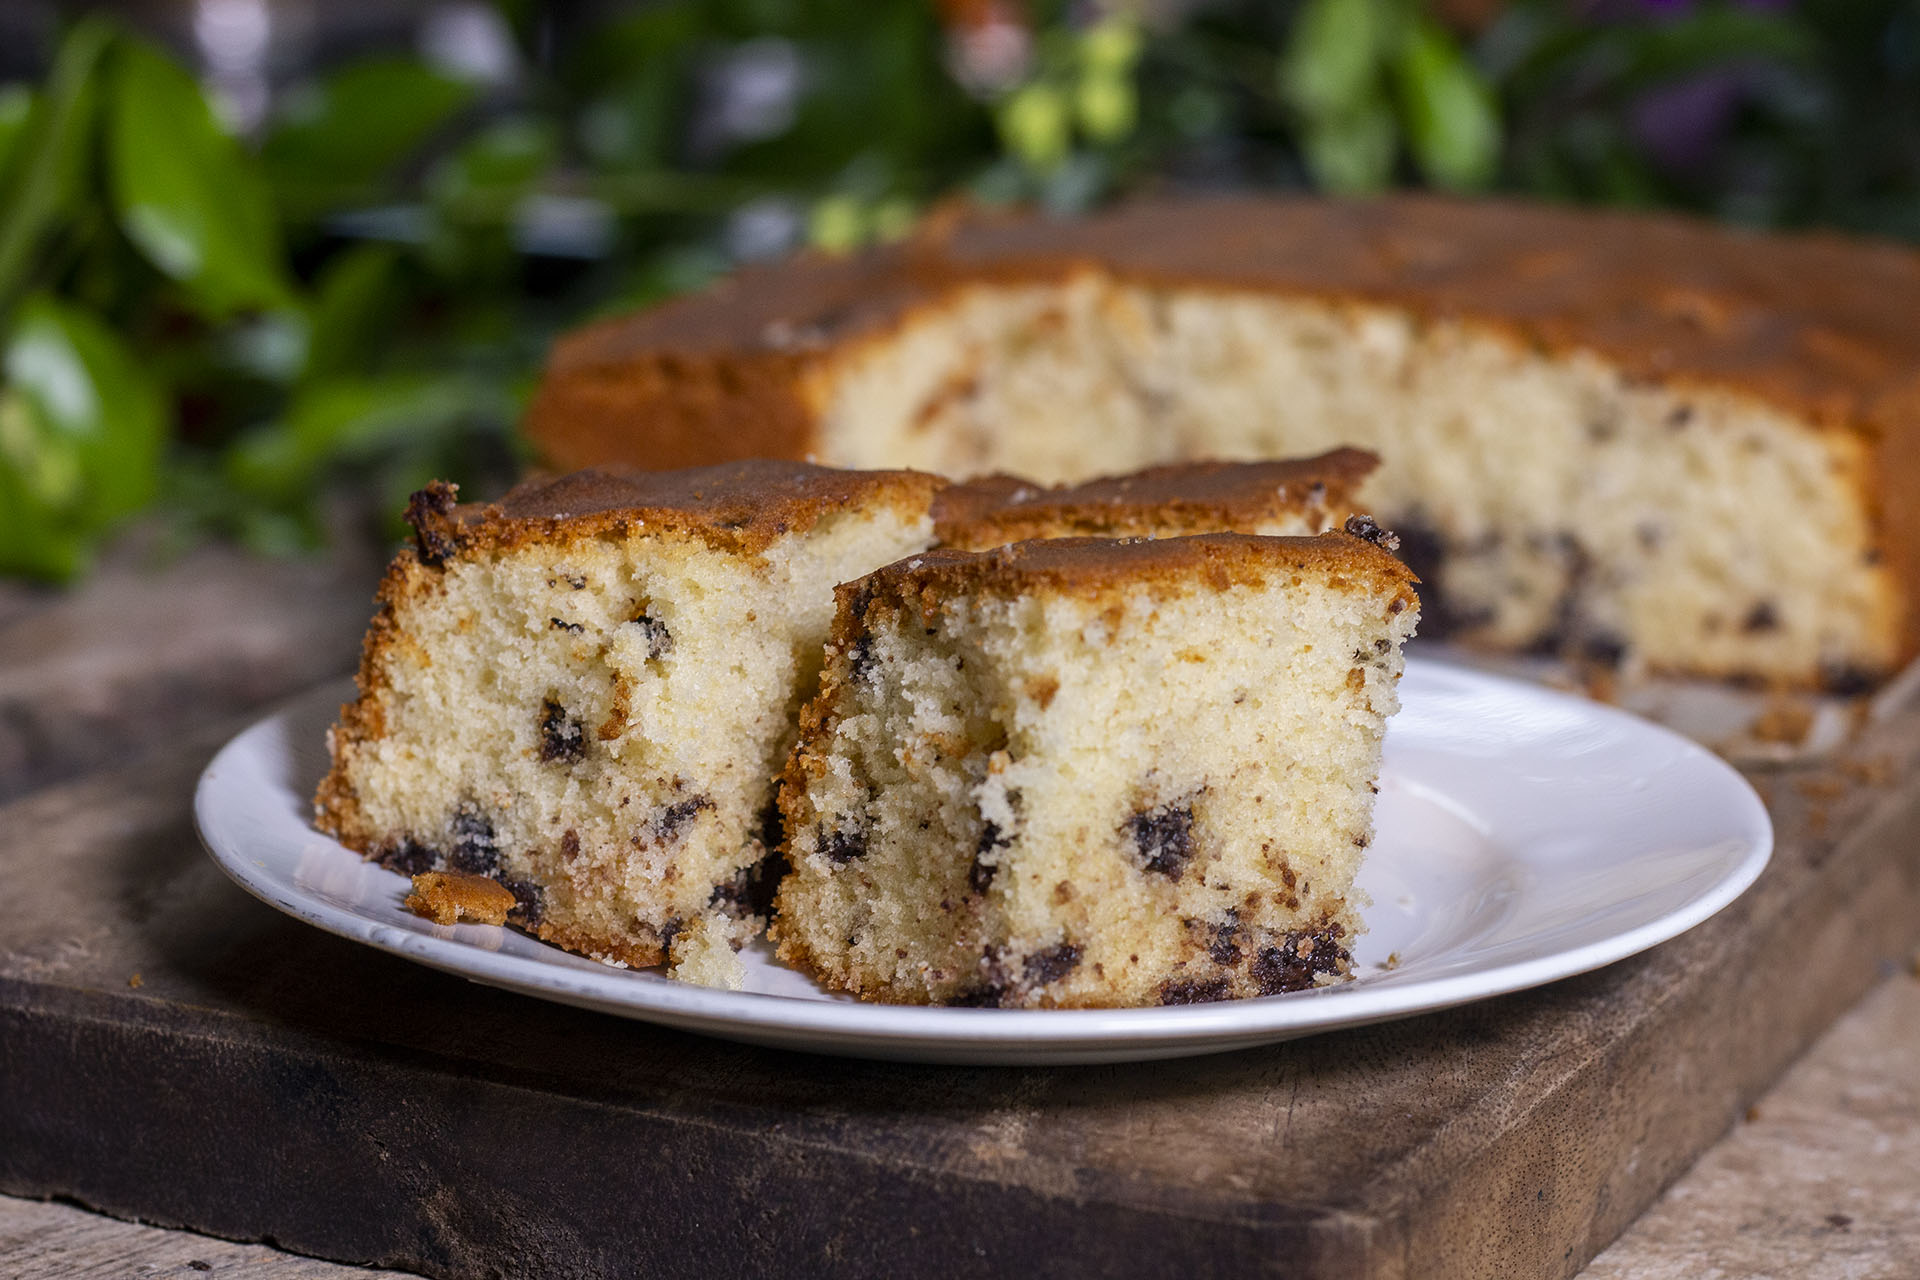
[(1094, 772)]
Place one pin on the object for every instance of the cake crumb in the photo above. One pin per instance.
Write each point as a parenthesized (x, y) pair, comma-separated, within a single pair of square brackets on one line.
[(1784, 720), (135, 981), (1876, 771), (704, 954), (447, 897)]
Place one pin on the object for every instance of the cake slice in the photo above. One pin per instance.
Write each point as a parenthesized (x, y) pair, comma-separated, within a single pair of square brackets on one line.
[(1289, 497), (1089, 772), (586, 690)]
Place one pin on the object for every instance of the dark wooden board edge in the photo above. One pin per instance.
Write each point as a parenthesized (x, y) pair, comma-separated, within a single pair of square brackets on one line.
[(418, 1180)]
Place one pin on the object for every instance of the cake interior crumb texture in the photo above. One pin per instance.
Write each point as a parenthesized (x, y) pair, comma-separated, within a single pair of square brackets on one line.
[(1554, 500), (1025, 786), (592, 709)]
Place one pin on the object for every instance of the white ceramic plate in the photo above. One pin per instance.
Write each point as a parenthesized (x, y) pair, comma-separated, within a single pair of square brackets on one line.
[(1523, 835)]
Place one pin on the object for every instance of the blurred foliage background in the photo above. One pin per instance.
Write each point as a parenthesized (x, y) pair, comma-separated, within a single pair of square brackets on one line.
[(235, 279)]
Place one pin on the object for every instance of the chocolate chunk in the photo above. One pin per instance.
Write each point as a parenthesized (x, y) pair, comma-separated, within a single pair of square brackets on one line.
[(408, 858), (750, 892), (992, 839), (529, 901), (1846, 680), (1163, 839), (561, 736), (1293, 964), (841, 846), (557, 625), (475, 848), (659, 639), (674, 818), (979, 998), (429, 511), (1225, 947), (1195, 992), (860, 659), (1052, 964), (1368, 530), (1762, 617)]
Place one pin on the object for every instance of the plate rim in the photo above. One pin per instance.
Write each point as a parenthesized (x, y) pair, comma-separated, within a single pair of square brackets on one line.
[(868, 1030)]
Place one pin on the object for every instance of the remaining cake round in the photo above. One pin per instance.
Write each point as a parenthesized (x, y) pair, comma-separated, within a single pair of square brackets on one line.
[(1289, 498), (1627, 436), (586, 691), (1091, 772)]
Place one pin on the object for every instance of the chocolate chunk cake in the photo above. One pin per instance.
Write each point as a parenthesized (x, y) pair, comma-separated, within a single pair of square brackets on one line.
[(585, 691), (1295, 497), (1645, 438), (1090, 772)]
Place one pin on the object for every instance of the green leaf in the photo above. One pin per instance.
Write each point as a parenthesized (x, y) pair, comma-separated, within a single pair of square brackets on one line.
[(487, 176), (1331, 66), (339, 139), (34, 540), (82, 427), (1451, 122), (41, 187), (351, 300), (349, 421), (16, 107), (1352, 153), (184, 191), (89, 400)]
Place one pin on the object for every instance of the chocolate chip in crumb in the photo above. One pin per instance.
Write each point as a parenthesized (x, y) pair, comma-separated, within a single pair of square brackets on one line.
[(475, 847), (558, 624), (841, 846), (1051, 965), (1762, 617), (561, 736), (1195, 992), (528, 899), (1163, 839), (1225, 947), (1368, 530), (1846, 681), (407, 857), (979, 998), (674, 818), (980, 872), (659, 639)]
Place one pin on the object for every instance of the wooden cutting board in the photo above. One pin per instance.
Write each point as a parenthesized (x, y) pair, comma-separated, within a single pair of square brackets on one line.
[(173, 1051)]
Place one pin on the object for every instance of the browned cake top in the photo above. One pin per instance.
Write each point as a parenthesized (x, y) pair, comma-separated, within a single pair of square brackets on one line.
[(1821, 324), (740, 505), (1189, 496), (1098, 566)]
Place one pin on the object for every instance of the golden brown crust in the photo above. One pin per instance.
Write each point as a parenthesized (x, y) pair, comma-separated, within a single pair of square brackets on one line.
[(447, 897), (741, 507), (1186, 497), (1100, 566), (1816, 324)]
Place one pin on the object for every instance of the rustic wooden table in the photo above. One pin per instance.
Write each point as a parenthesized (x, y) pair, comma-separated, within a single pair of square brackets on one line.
[(173, 1052)]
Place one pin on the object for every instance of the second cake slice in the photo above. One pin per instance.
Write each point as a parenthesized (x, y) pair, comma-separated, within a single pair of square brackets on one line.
[(1089, 772)]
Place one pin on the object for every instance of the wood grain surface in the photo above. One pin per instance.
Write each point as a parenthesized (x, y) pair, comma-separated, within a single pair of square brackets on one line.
[(266, 1080)]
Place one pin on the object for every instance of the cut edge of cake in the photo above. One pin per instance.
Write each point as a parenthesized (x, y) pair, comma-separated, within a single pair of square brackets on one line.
[(636, 616), (975, 713)]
